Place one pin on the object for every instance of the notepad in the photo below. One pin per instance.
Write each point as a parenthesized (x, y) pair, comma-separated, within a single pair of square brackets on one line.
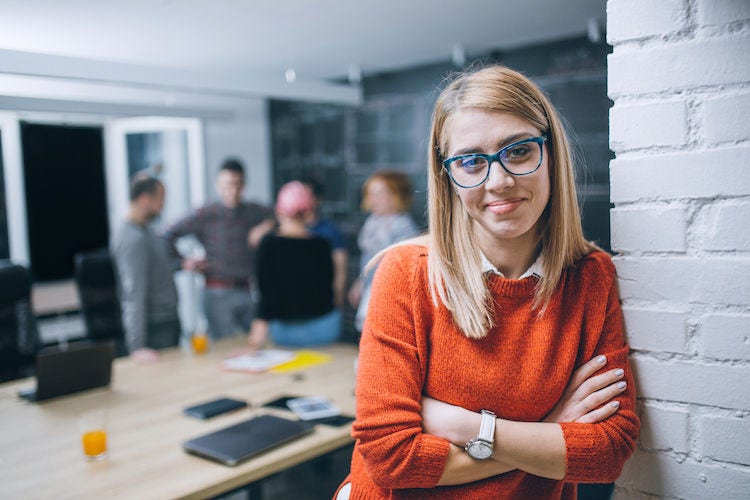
[(258, 361), (303, 359)]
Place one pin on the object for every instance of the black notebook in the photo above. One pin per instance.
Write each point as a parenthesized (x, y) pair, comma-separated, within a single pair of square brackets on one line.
[(214, 408), (239, 442)]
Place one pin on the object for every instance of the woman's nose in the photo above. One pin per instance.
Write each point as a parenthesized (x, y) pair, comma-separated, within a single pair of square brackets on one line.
[(499, 179)]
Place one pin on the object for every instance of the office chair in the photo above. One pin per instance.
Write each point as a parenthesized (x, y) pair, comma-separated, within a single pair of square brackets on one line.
[(100, 304), (19, 337)]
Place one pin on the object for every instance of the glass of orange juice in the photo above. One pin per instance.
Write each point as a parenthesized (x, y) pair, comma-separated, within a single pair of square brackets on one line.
[(93, 427), (199, 341)]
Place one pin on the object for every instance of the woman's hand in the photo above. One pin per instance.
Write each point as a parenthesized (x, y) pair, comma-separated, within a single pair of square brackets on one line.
[(588, 397), (258, 334)]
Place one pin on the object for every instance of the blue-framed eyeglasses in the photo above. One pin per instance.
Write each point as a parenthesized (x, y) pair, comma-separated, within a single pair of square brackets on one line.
[(522, 157)]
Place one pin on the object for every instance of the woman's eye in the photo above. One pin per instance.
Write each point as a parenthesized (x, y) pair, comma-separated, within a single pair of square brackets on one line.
[(518, 152), (470, 162)]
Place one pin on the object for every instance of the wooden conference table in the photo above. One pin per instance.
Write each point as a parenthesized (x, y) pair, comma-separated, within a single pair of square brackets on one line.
[(40, 449)]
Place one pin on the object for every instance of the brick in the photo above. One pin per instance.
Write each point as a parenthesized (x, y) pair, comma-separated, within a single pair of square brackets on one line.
[(661, 475), (726, 439), (626, 19), (648, 125), (679, 66), (716, 12), (706, 280), (725, 336), (688, 175), (655, 330), (725, 118), (657, 229), (718, 385), (664, 428), (725, 226)]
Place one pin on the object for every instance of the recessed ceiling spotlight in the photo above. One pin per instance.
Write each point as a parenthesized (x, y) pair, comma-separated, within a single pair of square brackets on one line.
[(290, 75)]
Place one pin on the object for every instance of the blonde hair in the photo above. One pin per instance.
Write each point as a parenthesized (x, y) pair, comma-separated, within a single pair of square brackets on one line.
[(397, 183), (454, 262)]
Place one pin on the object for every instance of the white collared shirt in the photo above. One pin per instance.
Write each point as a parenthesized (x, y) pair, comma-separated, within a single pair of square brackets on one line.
[(536, 269)]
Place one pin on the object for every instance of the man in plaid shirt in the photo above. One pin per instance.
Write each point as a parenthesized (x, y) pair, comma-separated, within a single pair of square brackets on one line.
[(229, 229)]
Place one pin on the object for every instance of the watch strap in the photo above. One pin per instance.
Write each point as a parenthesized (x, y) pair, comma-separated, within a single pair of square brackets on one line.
[(487, 427)]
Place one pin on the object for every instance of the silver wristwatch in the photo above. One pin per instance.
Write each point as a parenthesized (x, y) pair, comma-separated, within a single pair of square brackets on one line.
[(482, 446)]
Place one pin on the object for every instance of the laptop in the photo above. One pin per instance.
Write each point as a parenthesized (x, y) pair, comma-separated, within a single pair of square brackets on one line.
[(70, 368), (239, 442)]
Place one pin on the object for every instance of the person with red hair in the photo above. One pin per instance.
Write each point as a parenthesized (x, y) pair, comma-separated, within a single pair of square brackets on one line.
[(295, 278)]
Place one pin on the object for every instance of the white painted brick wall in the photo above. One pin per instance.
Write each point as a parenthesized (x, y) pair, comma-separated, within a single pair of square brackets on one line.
[(664, 428), (679, 66), (655, 228), (725, 336), (664, 16), (679, 76), (721, 172), (726, 118), (656, 330), (726, 225), (651, 124), (717, 12), (726, 439)]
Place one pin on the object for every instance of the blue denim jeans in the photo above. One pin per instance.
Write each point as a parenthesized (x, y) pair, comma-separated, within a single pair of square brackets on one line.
[(310, 332)]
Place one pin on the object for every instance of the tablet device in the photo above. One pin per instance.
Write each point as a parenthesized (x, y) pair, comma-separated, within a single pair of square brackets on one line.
[(234, 444), (214, 408)]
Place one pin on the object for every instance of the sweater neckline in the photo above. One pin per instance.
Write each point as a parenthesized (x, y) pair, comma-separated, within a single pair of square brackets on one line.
[(506, 286)]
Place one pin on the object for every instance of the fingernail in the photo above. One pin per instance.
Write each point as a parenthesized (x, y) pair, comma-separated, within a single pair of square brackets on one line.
[(615, 404), (619, 372), (601, 359), (622, 385)]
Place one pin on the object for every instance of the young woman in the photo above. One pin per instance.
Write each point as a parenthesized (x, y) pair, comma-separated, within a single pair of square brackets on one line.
[(387, 196), (481, 361), (295, 278)]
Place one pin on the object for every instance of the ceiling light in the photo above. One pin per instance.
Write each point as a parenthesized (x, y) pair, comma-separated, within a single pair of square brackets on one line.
[(290, 75)]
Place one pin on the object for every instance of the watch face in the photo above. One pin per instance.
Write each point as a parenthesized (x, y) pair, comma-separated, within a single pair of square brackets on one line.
[(480, 450)]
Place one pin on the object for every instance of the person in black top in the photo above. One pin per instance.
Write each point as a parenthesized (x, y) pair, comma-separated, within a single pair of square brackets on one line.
[(295, 278)]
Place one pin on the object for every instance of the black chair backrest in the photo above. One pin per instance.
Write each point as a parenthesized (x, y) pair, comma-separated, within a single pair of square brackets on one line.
[(19, 337), (97, 290)]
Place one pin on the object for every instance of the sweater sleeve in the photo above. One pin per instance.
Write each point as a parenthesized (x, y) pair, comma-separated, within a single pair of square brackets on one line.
[(132, 268), (391, 368), (597, 452)]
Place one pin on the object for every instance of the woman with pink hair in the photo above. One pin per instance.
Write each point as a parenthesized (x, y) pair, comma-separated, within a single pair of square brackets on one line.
[(295, 278)]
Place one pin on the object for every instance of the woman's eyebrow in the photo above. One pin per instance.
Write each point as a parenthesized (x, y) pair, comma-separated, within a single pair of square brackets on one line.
[(503, 142)]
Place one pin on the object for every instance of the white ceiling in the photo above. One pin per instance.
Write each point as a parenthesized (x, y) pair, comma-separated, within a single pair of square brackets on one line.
[(320, 39)]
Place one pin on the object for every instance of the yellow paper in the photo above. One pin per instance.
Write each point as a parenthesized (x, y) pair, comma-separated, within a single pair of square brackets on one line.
[(303, 359)]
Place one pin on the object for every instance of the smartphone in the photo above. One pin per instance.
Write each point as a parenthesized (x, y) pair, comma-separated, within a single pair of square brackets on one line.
[(310, 408), (213, 408)]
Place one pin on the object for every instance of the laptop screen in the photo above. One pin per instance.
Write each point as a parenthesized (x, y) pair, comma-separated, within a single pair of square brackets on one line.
[(74, 367)]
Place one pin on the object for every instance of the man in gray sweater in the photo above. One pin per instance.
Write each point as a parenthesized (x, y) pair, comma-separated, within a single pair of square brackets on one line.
[(144, 269)]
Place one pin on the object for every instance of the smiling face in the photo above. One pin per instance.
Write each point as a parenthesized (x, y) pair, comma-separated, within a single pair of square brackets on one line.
[(505, 209)]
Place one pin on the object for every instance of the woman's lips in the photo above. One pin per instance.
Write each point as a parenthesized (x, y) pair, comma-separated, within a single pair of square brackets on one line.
[(505, 206)]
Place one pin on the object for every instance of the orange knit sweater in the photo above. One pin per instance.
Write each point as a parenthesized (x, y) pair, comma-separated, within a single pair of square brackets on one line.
[(411, 348)]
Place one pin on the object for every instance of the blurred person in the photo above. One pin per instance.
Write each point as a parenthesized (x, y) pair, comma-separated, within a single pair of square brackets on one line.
[(387, 195), (148, 295), (295, 278), (229, 229), (481, 363), (328, 230)]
